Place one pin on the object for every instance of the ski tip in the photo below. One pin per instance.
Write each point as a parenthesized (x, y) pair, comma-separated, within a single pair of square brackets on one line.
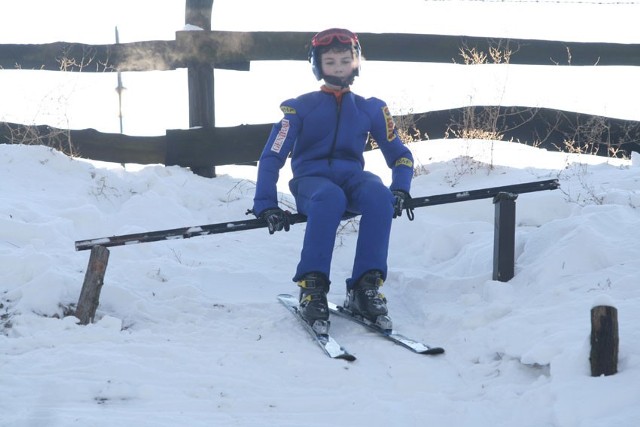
[(434, 351)]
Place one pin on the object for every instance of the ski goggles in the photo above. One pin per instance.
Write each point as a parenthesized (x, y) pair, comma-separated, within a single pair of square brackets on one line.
[(326, 37)]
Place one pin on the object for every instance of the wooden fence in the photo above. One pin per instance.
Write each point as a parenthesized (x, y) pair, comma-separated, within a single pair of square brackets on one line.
[(206, 147), (201, 51)]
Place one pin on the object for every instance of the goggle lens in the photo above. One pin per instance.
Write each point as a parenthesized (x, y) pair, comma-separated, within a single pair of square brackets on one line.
[(326, 37)]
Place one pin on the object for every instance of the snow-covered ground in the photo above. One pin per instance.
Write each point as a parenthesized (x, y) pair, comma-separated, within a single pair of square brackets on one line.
[(189, 332)]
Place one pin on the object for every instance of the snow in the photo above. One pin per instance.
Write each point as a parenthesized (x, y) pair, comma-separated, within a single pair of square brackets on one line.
[(189, 332), (191, 27)]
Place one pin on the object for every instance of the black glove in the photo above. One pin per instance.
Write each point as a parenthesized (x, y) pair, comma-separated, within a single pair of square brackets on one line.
[(401, 200), (277, 219)]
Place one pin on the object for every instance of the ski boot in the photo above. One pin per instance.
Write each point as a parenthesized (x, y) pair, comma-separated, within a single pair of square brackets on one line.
[(314, 308), (366, 301)]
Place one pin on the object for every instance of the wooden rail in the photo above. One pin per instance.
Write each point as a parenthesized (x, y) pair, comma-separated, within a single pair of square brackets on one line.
[(216, 146), (235, 50)]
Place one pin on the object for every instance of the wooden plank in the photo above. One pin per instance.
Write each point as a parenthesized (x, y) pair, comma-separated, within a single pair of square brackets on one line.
[(544, 127), (604, 340), (218, 146), (63, 56), (504, 236), (234, 50), (88, 143), (118, 148)]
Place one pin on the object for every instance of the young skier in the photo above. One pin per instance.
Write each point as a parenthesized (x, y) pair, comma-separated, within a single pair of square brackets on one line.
[(325, 133)]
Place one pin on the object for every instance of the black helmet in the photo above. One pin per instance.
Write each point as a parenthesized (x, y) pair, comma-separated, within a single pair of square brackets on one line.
[(333, 36)]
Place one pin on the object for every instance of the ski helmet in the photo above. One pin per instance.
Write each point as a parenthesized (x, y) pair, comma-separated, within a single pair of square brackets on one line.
[(333, 37)]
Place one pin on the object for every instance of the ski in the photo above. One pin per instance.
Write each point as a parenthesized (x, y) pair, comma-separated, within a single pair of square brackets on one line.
[(320, 334), (386, 332)]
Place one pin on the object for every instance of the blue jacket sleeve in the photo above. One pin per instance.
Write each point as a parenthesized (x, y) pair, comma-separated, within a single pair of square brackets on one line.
[(274, 155), (396, 154)]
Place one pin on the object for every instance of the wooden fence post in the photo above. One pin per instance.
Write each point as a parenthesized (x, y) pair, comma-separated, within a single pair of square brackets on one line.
[(604, 340), (93, 281), (504, 236), (200, 77)]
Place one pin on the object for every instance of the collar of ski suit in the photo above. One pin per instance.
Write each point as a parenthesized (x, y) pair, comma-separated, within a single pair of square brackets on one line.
[(337, 93)]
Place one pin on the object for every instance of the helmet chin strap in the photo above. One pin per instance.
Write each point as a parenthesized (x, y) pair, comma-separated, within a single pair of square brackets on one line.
[(343, 82)]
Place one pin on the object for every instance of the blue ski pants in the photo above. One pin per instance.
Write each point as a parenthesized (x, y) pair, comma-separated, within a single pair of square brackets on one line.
[(324, 202)]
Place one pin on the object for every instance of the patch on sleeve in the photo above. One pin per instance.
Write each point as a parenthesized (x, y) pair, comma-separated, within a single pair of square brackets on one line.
[(282, 135), (287, 110), (389, 123), (404, 161)]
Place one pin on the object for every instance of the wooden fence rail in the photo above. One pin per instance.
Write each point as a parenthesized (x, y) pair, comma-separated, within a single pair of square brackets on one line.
[(205, 147), (235, 50)]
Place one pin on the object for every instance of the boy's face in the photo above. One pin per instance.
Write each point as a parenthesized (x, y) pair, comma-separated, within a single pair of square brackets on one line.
[(338, 64)]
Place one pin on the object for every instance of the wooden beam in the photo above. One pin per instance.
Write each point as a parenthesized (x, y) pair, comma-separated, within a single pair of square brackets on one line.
[(544, 127), (92, 286), (219, 146), (200, 78), (504, 236), (234, 50), (604, 340), (198, 13), (88, 143)]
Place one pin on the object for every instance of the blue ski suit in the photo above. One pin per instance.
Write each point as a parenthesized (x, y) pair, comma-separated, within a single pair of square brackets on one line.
[(325, 133)]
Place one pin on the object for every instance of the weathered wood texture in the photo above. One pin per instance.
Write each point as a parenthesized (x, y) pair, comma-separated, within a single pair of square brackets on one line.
[(88, 143), (545, 127), (198, 13), (604, 340), (504, 234), (216, 146), (234, 50), (93, 281), (207, 147), (200, 77)]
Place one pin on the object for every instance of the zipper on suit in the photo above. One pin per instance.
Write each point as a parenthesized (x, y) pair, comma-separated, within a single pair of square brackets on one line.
[(335, 134)]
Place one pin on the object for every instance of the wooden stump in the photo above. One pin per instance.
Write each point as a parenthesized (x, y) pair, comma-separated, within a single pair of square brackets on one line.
[(604, 340), (93, 281)]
